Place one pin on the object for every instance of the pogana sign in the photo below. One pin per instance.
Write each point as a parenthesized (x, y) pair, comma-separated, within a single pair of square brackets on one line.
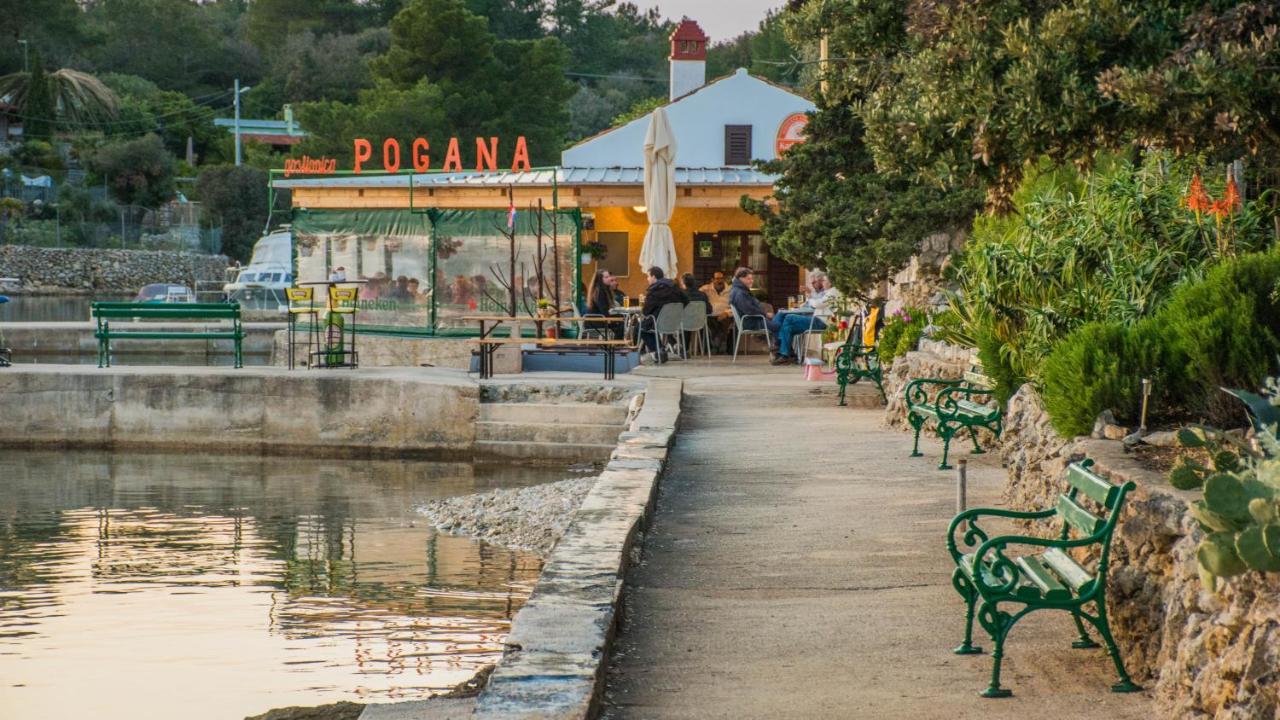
[(791, 132), (486, 155)]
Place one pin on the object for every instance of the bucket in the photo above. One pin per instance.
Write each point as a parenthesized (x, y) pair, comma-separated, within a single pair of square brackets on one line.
[(813, 370)]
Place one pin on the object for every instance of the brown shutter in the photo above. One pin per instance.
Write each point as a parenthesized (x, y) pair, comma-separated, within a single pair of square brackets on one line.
[(737, 144)]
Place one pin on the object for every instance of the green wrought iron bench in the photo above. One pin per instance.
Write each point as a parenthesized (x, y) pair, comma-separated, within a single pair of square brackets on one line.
[(854, 362), (953, 405), (105, 332), (1004, 588)]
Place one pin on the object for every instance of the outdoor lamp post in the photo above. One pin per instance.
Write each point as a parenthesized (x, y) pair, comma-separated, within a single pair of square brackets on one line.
[(238, 91)]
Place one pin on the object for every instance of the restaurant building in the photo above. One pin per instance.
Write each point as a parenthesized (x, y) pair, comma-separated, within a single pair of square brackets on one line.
[(451, 234)]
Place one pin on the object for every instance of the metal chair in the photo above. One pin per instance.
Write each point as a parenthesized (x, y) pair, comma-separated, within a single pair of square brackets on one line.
[(342, 302), (799, 341), (667, 323), (302, 301), (738, 324), (694, 320)]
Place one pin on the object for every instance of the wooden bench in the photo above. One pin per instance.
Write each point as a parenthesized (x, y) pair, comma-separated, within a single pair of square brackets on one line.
[(487, 346), (105, 312), (989, 577), (955, 405), (855, 361)]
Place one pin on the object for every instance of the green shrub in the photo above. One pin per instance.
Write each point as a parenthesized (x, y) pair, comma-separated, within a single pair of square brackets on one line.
[(1226, 333), (1100, 366), (901, 334), (1111, 245), (1222, 331)]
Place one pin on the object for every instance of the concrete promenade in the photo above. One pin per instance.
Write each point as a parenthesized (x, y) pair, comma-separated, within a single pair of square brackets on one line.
[(796, 568)]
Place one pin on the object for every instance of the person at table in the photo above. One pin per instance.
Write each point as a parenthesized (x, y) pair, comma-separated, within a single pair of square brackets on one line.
[(660, 293), (717, 292), (338, 275), (619, 297), (813, 314), (718, 324), (600, 302), (741, 299)]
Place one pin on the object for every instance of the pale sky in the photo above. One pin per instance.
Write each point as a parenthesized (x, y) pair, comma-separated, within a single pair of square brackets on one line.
[(721, 19)]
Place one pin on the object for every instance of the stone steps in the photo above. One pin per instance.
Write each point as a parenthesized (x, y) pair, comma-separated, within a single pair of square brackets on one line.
[(553, 414), (542, 451), (559, 432)]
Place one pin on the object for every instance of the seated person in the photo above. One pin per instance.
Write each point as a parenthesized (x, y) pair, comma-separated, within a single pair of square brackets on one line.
[(741, 299), (812, 316), (715, 325), (600, 302), (717, 292), (660, 292)]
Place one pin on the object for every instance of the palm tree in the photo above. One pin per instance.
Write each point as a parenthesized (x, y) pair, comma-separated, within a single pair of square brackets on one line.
[(63, 95)]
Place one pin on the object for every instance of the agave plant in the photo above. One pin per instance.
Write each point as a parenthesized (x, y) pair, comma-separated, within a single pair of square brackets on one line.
[(1240, 512)]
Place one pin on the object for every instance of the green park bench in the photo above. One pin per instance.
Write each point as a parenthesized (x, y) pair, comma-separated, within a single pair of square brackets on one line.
[(988, 577), (956, 405), (854, 362), (105, 312)]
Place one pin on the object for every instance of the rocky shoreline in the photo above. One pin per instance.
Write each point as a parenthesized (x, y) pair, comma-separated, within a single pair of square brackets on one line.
[(83, 271), (530, 518)]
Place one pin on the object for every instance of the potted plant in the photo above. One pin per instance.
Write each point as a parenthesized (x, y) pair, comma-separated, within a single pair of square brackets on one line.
[(594, 251), (544, 308)]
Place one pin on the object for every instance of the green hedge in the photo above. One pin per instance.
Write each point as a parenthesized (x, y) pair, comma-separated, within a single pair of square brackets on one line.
[(1222, 331)]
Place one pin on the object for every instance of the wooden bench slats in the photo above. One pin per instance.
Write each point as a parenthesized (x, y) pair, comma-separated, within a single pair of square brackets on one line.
[(1050, 588), (1066, 568), (974, 409), (977, 379), (1077, 517), (1097, 488)]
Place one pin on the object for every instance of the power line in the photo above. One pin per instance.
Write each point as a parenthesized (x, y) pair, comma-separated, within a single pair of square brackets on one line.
[(204, 103)]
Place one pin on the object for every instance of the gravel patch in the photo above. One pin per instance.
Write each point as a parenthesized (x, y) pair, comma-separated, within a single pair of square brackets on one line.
[(531, 518)]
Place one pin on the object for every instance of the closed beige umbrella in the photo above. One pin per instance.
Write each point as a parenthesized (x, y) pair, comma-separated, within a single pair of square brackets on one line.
[(659, 248)]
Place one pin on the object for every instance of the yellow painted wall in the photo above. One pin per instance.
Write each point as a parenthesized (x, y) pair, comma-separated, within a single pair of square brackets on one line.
[(684, 223)]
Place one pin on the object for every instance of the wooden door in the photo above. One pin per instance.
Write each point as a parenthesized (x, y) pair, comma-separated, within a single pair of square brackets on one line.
[(708, 256)]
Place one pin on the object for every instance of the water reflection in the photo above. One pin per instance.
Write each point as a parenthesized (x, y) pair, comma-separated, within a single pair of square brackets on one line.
[(164, 586), (52, 308)]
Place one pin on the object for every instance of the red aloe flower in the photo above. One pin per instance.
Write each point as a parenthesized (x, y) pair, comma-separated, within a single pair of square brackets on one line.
[(1197, 199), (1231, 196)]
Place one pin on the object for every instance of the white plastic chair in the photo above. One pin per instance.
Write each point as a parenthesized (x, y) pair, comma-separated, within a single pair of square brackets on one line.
[(763, 330), (799, 341), (667, 323), (694, 321)]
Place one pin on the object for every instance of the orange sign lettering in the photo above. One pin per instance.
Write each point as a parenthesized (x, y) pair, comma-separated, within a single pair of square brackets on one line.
[(307, 165), (486, 155)]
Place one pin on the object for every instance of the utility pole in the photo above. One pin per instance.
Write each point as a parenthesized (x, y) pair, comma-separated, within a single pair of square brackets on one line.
[(237, 126), (26, 65)]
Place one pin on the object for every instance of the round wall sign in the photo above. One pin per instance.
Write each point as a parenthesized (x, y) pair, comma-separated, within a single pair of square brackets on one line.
[(791, 131)]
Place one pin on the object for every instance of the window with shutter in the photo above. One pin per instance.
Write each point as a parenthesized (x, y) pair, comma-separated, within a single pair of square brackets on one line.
[(737, 144)]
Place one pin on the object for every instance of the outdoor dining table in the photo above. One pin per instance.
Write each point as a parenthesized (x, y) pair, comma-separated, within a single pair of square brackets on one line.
[(489, 345)]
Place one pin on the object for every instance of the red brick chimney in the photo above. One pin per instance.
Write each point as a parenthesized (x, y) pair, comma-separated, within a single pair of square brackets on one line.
[(688, 58)]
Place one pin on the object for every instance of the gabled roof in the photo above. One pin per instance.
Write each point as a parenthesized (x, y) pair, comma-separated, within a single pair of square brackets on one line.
[(737, 98)]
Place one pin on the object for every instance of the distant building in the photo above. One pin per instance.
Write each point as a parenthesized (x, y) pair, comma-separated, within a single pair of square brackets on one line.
[(721, 128), (10, 123), (279, 134)]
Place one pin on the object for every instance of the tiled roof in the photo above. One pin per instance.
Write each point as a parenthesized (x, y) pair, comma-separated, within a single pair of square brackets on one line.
[(685, 177)]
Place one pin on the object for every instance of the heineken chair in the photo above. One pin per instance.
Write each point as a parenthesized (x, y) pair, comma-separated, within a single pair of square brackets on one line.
[(302, 302), (335, 351)]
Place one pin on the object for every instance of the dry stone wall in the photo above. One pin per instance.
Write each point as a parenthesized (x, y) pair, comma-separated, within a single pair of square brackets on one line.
[(95, 270), (1204, 654)]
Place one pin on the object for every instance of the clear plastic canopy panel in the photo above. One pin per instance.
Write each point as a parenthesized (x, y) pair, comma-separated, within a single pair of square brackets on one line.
[(425, 271)]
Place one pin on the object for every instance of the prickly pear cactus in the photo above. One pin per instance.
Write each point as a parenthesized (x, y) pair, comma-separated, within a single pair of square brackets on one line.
[(1240, 512)]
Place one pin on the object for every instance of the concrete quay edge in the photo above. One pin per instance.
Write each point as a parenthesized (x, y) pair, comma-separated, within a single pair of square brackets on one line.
[(554, 664)]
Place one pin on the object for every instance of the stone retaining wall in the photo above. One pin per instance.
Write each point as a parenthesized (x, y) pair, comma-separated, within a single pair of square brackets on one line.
[(1203, 654), (95, 270), (933, 359)]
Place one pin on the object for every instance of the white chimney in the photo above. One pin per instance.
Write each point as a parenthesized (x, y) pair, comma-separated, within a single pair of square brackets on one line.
[(688, 58)]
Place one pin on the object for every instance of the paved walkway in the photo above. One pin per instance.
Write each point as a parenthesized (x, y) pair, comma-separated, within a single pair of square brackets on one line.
[(796, 568)]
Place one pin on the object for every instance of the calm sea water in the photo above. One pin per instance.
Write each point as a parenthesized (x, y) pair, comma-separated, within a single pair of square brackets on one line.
[(51, 308), (163, 586)]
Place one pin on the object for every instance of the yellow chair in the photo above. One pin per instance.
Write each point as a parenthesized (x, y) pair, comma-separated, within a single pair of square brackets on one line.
[(342, 301), (869, 327), (302, 301)]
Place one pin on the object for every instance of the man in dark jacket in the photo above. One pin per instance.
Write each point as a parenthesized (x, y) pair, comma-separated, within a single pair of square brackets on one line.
[(660, 292), (745, 303)]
